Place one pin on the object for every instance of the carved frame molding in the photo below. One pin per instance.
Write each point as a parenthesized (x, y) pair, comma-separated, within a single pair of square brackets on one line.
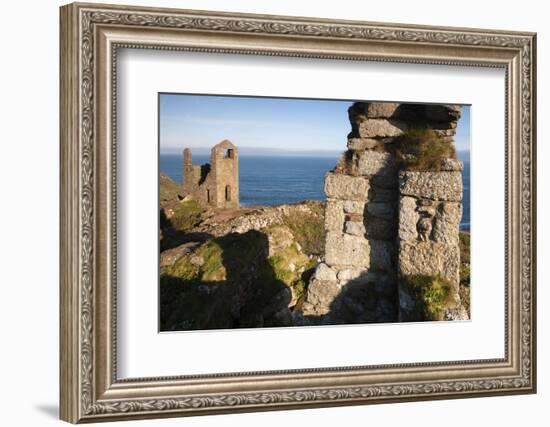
[(90, 37)]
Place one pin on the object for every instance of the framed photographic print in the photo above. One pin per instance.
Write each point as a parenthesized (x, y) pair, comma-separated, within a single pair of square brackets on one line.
[(265, 212)]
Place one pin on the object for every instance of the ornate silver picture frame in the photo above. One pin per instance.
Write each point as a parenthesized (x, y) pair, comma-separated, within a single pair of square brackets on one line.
[(91, 37)]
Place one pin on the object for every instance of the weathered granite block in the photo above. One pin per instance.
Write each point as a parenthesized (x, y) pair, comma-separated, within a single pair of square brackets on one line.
[(408, 218), (364, 110), (431, 185), (340, 186), (381, 128), (447, 223), (443, 113), (375, 163), (346, 250), (360, 144), (381, 109), (430, 258), (334, 215)]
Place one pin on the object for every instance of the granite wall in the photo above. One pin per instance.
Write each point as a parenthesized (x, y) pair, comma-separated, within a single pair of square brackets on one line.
[(384, 224)]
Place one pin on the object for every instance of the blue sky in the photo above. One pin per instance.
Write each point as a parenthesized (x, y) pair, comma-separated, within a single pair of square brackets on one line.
[(200, 121)]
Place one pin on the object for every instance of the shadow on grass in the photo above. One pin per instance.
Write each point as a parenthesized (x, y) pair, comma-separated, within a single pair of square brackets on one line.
[(227, 283)]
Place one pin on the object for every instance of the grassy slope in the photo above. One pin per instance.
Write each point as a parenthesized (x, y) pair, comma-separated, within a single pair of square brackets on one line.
[(236, 280)]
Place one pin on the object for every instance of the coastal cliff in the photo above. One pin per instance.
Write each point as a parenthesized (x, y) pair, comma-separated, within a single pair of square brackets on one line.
[(385, 247)]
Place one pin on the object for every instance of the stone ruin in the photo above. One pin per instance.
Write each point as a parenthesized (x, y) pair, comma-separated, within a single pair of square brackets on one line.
[(214, 184), (384, 224)]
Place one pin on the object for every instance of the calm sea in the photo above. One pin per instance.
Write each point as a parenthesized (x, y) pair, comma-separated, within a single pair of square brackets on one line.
[(274, 180)]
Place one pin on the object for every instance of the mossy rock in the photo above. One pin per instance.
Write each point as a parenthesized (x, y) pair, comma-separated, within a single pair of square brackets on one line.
[(308, 227), (228, 282), (187, 214), (169, 191)]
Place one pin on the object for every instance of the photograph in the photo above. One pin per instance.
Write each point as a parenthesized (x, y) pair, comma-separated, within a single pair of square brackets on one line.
[(263, 210), (278, 212)]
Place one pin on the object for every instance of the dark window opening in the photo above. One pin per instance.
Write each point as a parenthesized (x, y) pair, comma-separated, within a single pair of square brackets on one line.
[(227, 193), (229, 153), (208, 196)]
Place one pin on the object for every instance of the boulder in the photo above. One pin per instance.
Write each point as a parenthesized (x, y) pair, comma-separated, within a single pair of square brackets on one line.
[(320, 296), (170, 256), (324, 273)]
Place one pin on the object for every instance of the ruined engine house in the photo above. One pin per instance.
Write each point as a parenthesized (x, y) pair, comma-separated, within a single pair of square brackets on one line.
[(214, 184)]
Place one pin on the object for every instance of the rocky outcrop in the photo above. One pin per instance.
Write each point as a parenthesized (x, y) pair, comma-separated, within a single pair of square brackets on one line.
[(237, 268)]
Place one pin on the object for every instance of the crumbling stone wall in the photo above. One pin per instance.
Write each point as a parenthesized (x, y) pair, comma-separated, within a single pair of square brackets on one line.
[(357, 281), (214, 184), (430, 209), (383, 224)]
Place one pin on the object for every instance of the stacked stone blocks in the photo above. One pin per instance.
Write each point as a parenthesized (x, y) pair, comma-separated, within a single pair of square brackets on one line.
[(430, 209), (214, 184), (383, 224)]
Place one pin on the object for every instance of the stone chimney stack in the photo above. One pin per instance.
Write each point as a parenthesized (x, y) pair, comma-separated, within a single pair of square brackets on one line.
[(188, 175)]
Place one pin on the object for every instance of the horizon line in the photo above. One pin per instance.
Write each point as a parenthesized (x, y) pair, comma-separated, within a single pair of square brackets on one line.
[(268, 150)]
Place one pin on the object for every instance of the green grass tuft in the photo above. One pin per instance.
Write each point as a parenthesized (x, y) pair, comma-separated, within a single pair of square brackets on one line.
[(431, 294), (309, 228), (422, 150)]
